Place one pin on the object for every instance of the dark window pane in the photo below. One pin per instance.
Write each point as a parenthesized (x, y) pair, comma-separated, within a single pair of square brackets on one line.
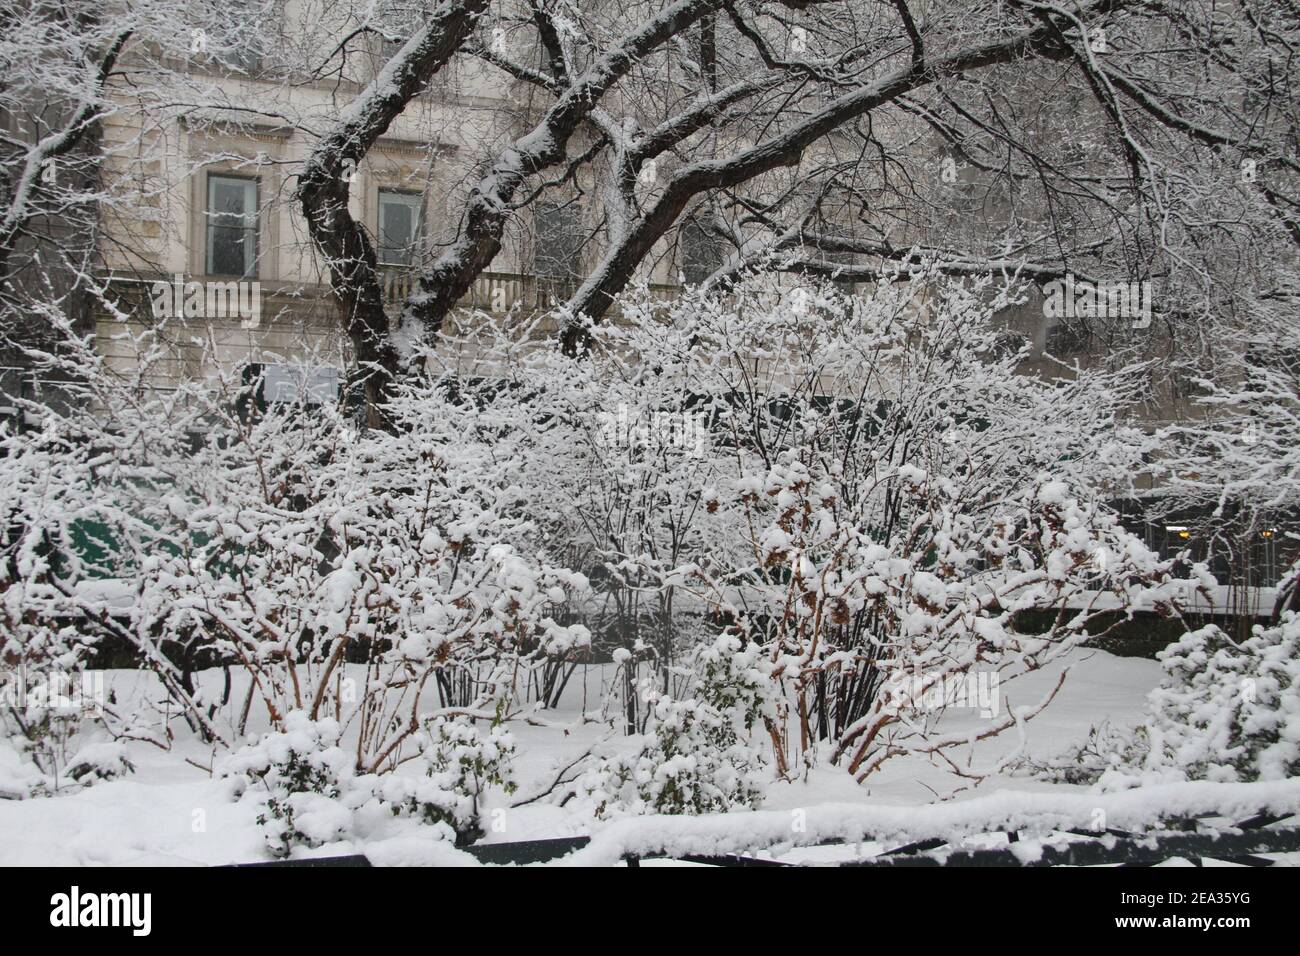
[(398, 227), (701, 253), (558, 250), (399, 223), (228, 253), (228, 196), (232, 226)]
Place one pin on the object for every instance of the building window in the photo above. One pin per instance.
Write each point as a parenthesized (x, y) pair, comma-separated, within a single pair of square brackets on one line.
[(395, 22), (248, 32), (241, 56), (232, 226), (701, 253), (557, 250), (317, 385), (399, 227), (1066, 337), (264, 385)]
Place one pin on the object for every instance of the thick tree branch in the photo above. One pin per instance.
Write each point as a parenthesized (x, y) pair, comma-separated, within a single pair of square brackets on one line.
[(488, 206), (324, 187), (595, 296)]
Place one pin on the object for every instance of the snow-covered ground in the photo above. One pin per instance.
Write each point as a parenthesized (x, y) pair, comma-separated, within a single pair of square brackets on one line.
[(171, 811)]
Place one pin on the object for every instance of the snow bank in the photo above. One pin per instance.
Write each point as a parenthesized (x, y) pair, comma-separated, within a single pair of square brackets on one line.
[(855, 823)]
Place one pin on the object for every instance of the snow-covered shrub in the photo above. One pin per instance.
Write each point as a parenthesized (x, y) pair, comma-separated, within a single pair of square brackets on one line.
[(47, 498), (388, 555), (696, 755), (50, 708), (1104, 748), (735, 679), (305, 782), (105, 760), (1223, 712), (832, 605), (679, 766), (462, 766), (876, 492), (42, 762), (20, 777), (283, 541), (310, 794), (44, 735), (868, 489), (1229, 712)]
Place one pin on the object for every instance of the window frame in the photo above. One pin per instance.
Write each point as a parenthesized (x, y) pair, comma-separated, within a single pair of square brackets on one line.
[(693, 238), (252, 230), (576, 237), (410, 199)]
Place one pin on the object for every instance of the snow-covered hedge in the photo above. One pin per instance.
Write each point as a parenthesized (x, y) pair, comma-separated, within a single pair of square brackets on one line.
[(462, 765), (307, 783), (309, 793), (856, 491)]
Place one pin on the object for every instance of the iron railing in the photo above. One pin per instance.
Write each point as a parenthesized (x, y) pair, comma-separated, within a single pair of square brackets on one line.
[(1241, 843)]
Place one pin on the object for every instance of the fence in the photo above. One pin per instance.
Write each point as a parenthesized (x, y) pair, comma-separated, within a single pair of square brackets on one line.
[(1235, 823), (501, 292), (1239, 844)]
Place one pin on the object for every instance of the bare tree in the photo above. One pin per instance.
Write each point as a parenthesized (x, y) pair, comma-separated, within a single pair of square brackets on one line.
[(51, 107), (1109, 140), (869, 107)]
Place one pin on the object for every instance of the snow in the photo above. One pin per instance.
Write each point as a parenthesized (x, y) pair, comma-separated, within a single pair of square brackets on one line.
[(858, 823), (172, 812), (17, 777)]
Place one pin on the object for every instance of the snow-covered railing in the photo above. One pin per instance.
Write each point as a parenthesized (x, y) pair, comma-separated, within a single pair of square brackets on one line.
[(501, 292), (1219, 820), (1191, 600)]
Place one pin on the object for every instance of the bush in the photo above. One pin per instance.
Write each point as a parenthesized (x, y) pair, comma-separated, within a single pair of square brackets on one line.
[(862, 487), (1223, 712), (20, 777), (98, 762), (461, 766), (311, 794), (1228, 712), (1104, 749), (696, 755), (306, 781)]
